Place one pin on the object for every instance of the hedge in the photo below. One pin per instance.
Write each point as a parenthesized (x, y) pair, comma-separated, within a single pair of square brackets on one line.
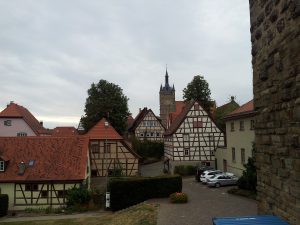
[(185, 170), (3, 204), (148, 149), (128, 191)]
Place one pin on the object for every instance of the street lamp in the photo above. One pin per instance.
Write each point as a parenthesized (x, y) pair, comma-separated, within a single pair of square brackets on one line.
[(107, 195)]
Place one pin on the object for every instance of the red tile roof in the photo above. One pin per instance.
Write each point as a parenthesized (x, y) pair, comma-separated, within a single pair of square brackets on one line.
[(64, 131), (179, 106), (245, 110), (100, 132), (14, 110), (56, 158)]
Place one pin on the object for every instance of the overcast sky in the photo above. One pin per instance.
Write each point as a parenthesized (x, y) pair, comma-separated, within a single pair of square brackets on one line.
[(52, 50)]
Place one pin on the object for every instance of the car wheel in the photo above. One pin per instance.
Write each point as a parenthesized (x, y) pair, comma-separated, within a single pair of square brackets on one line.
[(218, 185)]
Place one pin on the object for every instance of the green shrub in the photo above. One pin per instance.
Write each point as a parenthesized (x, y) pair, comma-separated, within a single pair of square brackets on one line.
[(185, 170), (3, 204), (148, 149), (248, 180), (128, 191), (178, 197), (78, 196)]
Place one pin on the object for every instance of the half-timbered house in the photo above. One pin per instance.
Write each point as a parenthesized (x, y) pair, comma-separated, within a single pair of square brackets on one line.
[(192, 137), (109, 152), (146, 126), (38, 171)]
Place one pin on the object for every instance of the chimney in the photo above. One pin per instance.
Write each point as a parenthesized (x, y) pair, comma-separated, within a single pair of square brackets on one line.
[(11, 102), (41, 122), (140, 110), (232, 98)]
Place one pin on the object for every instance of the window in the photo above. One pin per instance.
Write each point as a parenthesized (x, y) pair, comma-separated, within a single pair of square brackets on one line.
[(2, 165), (186, 152), (212, 153), (21, 134), (106, 148), (157, 135), (141, 134), (44, 194), (241, 125), (197, 124), (243, 155), (95, 148), (60, 194), (233, 154), (7, 123), (252, 125), (31, 163), (196, 106), (152, 134), (147, 134), (186, 137), (232, 126)]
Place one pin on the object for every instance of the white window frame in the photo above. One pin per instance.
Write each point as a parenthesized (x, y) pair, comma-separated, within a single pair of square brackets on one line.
[(2, 165), (186, 152)]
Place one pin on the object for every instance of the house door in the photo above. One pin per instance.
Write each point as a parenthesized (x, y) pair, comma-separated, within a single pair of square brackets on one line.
[(224, 165)]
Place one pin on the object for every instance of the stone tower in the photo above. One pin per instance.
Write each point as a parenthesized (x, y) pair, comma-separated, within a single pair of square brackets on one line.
[(275, 35), (166, 100)]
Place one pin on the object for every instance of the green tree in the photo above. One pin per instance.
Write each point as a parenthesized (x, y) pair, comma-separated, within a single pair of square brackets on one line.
[(198, 89), (106, 100)]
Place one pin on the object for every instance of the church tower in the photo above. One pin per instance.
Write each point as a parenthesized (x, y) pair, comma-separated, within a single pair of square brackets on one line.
[(166, 100)]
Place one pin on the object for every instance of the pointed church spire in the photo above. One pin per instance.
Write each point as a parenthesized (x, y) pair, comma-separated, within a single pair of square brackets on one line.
[(167, 78)]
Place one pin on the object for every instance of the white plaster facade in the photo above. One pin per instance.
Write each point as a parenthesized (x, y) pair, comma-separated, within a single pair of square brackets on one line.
[(17, 125), (231, 158)]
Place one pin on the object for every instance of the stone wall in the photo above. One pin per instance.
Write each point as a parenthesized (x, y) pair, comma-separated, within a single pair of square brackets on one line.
[(275, 37)]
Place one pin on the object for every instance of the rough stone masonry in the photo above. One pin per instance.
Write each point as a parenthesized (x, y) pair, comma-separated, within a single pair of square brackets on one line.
[(275, 37)]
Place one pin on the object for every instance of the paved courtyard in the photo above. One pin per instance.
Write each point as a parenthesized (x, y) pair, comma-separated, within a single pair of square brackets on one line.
[(204, 204)]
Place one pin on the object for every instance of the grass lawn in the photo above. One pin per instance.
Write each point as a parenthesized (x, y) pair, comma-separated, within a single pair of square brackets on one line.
[(142, 214)]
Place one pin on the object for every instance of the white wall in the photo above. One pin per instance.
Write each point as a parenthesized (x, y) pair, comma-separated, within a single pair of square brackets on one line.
[(17, 125)]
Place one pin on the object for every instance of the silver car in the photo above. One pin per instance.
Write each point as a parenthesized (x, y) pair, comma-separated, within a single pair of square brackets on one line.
[(222, 180), (208, 174)]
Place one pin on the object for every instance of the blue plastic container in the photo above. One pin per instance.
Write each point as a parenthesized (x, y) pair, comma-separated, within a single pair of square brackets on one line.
[(249, 220)]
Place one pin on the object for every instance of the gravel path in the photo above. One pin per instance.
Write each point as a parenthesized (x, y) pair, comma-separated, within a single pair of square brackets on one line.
[(204, 204)]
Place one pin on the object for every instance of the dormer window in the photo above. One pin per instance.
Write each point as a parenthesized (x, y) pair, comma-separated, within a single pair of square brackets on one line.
[(7, 123), (2, 165)]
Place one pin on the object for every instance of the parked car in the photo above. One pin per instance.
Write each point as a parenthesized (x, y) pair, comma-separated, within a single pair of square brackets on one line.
[(200, 170), (222, 179), (208, 174)]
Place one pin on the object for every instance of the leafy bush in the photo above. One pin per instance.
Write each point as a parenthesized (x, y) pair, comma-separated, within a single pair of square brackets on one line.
[(178, 197), (148, 149), (78, 196), (3, 204), (128, 191), (185, 170), (248, 180)]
